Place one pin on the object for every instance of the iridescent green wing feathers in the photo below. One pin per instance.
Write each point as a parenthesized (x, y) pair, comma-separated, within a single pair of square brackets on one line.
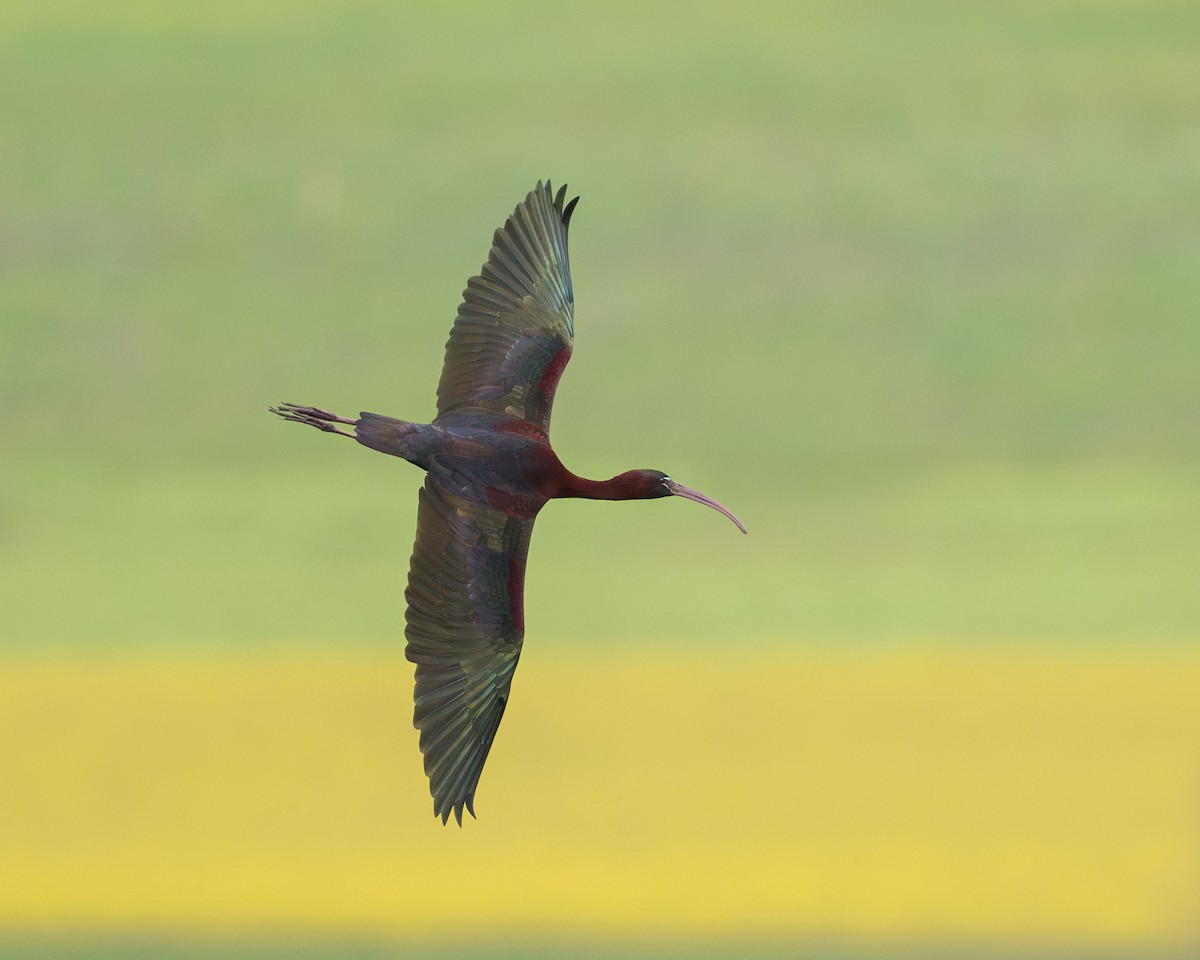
[(507, 349), (465, 626), (515, 327)]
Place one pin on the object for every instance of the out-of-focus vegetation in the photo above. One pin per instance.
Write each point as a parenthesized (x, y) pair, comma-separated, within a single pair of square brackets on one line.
[(911, 798), (911, 286)]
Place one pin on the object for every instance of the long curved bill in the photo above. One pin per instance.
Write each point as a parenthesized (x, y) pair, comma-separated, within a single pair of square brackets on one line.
[(681, 491)]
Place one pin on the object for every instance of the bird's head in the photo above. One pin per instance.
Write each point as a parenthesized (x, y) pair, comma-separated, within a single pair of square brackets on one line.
[(648, 484)]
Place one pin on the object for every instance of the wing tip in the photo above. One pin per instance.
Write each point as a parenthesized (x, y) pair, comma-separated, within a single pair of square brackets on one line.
[(443, 809), (566, 214), (557, 200)]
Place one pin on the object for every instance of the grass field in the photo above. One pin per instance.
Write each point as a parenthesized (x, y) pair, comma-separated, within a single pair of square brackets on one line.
[(911, 286)]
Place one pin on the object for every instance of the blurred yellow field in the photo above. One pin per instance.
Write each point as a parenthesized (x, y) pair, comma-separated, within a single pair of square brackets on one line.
[(888, 796)]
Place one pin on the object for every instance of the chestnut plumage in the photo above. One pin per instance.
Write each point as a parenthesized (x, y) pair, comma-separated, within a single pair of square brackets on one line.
[(490, 469)]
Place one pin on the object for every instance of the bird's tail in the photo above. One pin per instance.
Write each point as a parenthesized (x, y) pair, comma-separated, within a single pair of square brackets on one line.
[(389, 435), (411, 441)]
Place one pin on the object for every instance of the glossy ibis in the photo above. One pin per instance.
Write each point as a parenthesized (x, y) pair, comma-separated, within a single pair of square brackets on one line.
[(490, 469)]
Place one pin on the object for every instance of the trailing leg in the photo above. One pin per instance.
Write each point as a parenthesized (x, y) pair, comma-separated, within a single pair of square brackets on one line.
[(314, 417)]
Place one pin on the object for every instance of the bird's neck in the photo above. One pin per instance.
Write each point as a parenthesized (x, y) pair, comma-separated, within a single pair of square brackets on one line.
[(625, 486)]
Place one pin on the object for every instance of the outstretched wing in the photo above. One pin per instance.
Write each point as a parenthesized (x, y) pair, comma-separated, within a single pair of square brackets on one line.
[(465, 626), (515, 326)]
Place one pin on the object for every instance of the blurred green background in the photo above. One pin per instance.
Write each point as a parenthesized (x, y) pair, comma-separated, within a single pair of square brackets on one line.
[(912, 287)]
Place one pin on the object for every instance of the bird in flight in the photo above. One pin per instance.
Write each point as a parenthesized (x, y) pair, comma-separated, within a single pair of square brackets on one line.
[(489, 470)]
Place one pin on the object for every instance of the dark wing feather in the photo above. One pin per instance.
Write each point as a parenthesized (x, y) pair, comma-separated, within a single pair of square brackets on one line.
[(465, 627), (515, 326)]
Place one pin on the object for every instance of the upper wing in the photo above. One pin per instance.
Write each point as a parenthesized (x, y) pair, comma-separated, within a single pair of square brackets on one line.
[(465, 626), (515, 326)]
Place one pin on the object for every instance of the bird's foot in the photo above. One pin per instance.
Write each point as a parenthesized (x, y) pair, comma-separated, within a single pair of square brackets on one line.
[(313, 416)]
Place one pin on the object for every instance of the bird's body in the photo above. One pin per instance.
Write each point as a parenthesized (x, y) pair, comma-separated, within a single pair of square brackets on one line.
[(484, 457), (490, 469)]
